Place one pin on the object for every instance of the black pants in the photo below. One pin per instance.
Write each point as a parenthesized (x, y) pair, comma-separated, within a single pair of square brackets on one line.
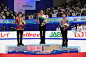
[(64, 36), (21, 33), (42, 35)]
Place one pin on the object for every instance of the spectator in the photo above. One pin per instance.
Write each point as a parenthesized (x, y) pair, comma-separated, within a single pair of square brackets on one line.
[(0, 8), (73, 14), (14, 13), (58, 29), (14, 17), (82, 13), (7, 15), (0, 17), (11, 29), (79, 13), (34, 16), (71, 27), (70, 13), (82, 28), (3, 28), (26, 17), (2, 4), (85, 12), (67, 13), (84, 25), (11, 17), (77, 26), (15, 29), (47, 16), (2, 12), (76, 13), (59, 14), (49, 30), (50, 14), (3, 17), (5, 9), (24, 28)]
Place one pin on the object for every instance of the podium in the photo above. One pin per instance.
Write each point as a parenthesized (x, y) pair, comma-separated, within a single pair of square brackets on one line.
[(71, 49), (10, 49), (41, 49), (38, 49)]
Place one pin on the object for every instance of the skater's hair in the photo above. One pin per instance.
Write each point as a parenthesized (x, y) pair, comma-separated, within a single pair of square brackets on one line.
[(19, 13), (40, 10), (63, 13)]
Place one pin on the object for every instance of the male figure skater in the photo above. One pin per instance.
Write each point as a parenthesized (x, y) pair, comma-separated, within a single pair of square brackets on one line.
[(64, 32), (41, 18), (20, 24)]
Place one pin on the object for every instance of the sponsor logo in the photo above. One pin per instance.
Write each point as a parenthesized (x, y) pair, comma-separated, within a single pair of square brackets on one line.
[(83, 19), (27, 5), (31, 35), (24, 35), (75, 19), (81, 34), (3, 35), (55, 34)]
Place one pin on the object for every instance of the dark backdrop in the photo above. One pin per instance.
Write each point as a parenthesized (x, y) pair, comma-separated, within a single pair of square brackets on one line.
[(43, 4), (9, 3)]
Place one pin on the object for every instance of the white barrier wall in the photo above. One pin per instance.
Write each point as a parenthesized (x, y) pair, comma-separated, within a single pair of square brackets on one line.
[(49, 34)]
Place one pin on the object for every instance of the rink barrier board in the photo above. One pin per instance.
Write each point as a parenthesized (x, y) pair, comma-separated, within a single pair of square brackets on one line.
[(72, 35), (39, 38)]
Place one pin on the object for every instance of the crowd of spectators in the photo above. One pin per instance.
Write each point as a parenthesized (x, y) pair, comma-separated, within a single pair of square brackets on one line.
[(6, 13), (11, 29), (73, 8), (78, 27)]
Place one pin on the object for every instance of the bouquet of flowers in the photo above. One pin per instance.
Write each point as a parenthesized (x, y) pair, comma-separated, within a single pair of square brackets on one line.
[(22, 22), (44, 22), (65, 26)]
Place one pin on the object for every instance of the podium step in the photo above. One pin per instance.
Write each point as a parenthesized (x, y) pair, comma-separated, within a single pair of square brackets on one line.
[(14, 49), (43, 49), (71, 49)]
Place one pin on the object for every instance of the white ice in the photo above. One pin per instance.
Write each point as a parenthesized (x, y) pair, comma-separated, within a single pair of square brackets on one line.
[(81, 43)]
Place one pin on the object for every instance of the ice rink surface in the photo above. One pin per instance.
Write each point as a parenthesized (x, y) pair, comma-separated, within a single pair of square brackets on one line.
[(81, 43)]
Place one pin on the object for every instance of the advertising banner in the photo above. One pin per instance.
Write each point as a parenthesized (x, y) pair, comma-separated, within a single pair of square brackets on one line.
[(49, 34), (76, 19)]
